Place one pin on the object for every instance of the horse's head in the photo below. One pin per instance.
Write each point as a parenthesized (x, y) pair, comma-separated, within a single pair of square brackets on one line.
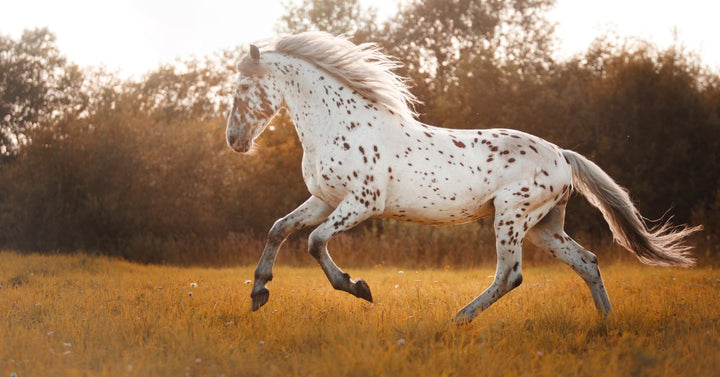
[(255, 102)]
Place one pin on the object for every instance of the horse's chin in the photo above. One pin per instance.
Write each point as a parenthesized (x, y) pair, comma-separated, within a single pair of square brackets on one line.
[(247, 149), (241, 148), (239, 145)]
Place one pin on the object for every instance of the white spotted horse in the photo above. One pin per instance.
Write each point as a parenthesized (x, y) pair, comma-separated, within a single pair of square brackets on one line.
[(366, 156)]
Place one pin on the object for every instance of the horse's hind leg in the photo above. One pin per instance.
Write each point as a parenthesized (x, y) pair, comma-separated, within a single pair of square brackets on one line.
[(312, 212), (550, 236), (508, 274), (346, 215)]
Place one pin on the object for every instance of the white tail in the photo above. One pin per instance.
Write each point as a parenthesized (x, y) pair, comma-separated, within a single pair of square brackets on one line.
[(661, 245)]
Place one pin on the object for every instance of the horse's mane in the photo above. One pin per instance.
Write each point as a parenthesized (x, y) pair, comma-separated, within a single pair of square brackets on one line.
[(362, 67)]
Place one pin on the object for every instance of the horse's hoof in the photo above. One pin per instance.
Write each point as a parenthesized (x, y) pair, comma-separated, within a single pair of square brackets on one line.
[(463, 317), (259, 298), (362, 290)]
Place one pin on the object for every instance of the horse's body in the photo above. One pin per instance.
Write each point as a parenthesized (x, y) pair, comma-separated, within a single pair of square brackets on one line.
[(366, 156)]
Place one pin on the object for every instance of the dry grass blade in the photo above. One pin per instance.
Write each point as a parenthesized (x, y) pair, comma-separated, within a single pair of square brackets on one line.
[(79, 315)]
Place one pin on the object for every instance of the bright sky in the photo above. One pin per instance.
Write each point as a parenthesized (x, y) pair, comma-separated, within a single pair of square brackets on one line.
[(135, 36)]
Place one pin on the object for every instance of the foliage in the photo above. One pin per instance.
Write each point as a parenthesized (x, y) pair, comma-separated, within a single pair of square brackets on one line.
[(708, 214), (35, 79), (143, 166), (646, 117), (139, 168), (434, 37), (335, 17)]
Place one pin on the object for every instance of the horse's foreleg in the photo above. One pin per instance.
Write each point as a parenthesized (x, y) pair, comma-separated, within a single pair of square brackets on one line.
[(312, 212), (346, 215)]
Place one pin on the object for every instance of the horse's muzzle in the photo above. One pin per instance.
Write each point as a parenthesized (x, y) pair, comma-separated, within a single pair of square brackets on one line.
[(237, 144)]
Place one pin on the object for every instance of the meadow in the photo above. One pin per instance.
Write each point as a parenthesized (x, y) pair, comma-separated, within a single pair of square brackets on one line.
[(80, 315)]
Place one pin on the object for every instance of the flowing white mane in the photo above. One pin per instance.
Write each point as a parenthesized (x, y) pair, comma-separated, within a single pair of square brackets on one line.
[(362, 67)]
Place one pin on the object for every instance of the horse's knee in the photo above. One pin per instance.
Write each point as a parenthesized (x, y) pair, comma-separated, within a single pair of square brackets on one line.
[(315, 245), (590, 258), (278, 231)]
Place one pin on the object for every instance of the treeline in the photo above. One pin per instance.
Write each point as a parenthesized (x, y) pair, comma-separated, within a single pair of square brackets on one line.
[(140, 169)]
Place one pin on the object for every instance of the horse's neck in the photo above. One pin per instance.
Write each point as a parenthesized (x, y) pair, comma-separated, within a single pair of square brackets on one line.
[(319, 103)]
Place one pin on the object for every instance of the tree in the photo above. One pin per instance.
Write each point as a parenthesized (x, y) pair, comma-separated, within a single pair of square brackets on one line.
[(334, 17), (437, 38), (36, 84), (191, 89), (141, 169), (646, 116)]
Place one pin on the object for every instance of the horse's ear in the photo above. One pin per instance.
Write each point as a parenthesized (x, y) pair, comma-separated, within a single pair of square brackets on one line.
[(254, 52)]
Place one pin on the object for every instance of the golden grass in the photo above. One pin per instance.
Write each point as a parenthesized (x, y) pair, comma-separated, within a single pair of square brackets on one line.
[(92, 316)]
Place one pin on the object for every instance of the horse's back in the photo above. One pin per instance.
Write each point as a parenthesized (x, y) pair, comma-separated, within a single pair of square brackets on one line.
[(450, 176)]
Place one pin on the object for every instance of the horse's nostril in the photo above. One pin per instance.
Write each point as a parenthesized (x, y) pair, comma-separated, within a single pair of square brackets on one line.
[(231, 140)]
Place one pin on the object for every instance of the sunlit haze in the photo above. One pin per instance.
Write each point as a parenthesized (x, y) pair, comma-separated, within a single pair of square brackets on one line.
[(135, 36)]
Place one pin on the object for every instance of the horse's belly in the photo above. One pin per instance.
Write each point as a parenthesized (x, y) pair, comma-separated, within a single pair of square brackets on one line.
[(447, 209)]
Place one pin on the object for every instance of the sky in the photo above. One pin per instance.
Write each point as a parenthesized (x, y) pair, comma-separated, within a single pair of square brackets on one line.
[(132, 37)]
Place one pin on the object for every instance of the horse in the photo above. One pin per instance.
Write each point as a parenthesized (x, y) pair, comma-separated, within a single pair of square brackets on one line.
[(365, 155)]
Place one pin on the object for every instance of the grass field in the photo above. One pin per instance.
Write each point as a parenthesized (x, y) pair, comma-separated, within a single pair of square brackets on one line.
[(91, 316)]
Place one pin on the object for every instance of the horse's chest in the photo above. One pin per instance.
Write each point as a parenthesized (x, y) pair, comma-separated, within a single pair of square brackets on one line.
[(327, 177)]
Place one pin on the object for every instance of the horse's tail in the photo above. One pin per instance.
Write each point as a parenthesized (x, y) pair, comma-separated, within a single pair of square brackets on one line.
[(661, 245)]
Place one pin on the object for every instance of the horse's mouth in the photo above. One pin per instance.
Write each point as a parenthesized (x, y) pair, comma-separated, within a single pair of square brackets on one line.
[(239, 145), (240, 148)]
